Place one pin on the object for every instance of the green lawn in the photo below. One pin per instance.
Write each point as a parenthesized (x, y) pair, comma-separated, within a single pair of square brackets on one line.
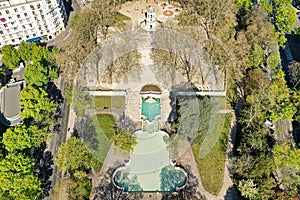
[(106, 123), (109, 102), (121, 17), (211, 167), (99, 131)]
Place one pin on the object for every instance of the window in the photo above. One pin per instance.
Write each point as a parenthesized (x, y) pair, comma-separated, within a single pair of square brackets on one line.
[(30, 25), (33, 12), (32, 7), (15, 28), (20, 38), (27, 36), (16, 10), (1, 32), (39, 6), (9, 17), (7, 12), (40, 28), (23, 26), (5, 25), (34, 35), (13, 40), (25, 14), (18, 16)]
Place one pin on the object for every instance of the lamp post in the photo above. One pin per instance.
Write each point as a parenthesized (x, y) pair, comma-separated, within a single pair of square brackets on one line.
[(106, 30)]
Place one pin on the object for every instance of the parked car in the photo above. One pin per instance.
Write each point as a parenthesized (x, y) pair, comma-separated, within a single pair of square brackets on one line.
[(269, 124)]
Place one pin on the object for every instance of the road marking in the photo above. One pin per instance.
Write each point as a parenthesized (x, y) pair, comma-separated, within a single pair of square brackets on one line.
[(68, 35)]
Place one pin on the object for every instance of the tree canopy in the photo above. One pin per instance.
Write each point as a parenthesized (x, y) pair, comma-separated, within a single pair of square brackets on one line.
[(36, 105), (124, 140), (36, 74), (22, 137), (17, 180), (10, 56), (73, 156)]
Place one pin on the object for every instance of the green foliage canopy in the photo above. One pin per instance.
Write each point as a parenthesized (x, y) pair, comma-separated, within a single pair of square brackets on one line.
[(124, 140), (21, 137), (73, 156), (10, 56), (36, 74), (36, 104), (17, 180)]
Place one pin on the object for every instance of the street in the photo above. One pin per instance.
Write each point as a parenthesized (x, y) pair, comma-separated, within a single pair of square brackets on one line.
[(59, 137)]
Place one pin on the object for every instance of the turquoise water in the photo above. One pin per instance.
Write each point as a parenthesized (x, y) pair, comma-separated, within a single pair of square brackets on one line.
[(151, 110), (169, 180), (149, 168)]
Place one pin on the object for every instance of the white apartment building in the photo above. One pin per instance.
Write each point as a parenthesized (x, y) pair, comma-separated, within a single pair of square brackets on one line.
[(30, 20)]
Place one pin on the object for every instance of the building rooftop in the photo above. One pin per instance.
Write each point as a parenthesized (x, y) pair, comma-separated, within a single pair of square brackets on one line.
[(12, 101), (10, 104)]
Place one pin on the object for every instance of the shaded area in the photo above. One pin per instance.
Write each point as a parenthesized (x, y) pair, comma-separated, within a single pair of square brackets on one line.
[(232, 194), (54, 93), (189, 191), (127, 124), (107, 191), (171, 179), (130, 184), (96, 132), (43, 166)]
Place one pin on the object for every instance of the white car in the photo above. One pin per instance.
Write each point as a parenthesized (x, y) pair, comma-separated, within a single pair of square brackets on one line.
[(269, 124)]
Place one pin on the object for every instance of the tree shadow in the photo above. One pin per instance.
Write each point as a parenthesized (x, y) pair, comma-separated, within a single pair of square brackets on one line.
[(126, 124), (106, 190), (86, 130), (189, 191), (232, 194), (43, 166), (54, 93)]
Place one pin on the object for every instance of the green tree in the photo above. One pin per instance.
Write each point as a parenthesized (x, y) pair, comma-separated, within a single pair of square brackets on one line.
[(285, 15), (280, 98), (22, 137), (81, 100), (73, 156), (25, 50), (2, 75), (286, 156), (36, 74), (39, 54), (124, 140), (80, 186), (35, 104), (10, 56), (248, 188), (257, 57), (17, 180), (243, 4)]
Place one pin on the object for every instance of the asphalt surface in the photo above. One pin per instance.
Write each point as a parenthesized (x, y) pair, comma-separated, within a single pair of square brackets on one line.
[(59, 137)]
